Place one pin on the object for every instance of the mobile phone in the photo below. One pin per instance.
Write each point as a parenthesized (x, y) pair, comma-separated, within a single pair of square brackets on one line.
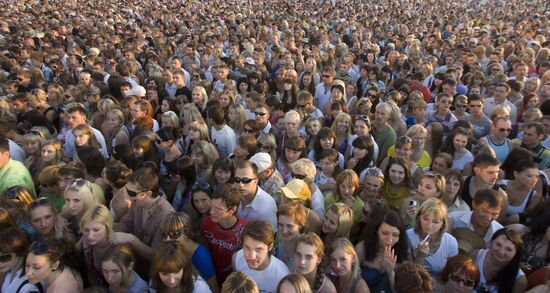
[(412, 202)]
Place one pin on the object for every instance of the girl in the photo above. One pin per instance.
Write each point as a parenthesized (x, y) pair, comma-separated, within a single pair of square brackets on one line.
[(170, 119), (404, 150), (347, 185), (267, 144), (144, 149), (43, 219), (183, 174), (245, 148), (117, 267), (441, 163), (372, 181), (398, 183), (329, 169), (324, 140), (118, 132), (84, 136), (363, 154), (522, 195), (342, 129), (456, 146), (237, 117), (337, 222), (166, 144), (200, 98), (451, 198), (38, 99), (337, 94), (306, 82), (51, 153), (14, 247), (310, 251), (32, 145), (294, 149), (116, 175), (430, 245), (16, 200), (417, 133), (291, 220), (290, 94), (176, 229), (431, 185), (434, 139), (460, 275), (204, 154), (196, 131), (80, 196), (222, 172), (311, 129), (346, 269), (200, 203), (293, 283)]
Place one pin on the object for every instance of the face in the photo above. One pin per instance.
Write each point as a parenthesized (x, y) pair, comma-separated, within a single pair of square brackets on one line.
[(314, 127), (201, 201), (330, 223), (247, 191), (256, 253), (224, 99), (94, 232), (80, 138), (460, 141), (138, 151), (197, 97), (222, 176), (167, 122), (113, 273), (341, 262), (346, 189), (31, 147), (381, 115), (427, 188), (10, 264), (74, 202), (444, 103), (533, 102), (292, 155), (530, 137), (327, 143), (484, 214), (488, 175), (502, 129), (343, 124), (171, 280), (306, 258), (500, 94), (137, 112), (359, 153), (397, 174), (430, 224), (372, 184), (388, 235), (165, 106), (503, 249), (262, 115), (475, 107), (361, 127), (404, 151), (456, 283), (219, 210), (528, 177), (291, 126), (452, 187), (42, 219), (75, 118), (243, 87), (38, 268), (288, 228)]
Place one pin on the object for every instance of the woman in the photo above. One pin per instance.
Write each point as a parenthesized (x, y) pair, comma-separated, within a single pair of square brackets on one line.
[(97, 227), (404, 150), (245, 148), (167, 146), (294, 149), (200, 98), (237, 117), (204, 154), (117, 267), (222, 172), (522, 195), (14, 247), (383, 246), (456, 144), (417, 133), (397, 185), (239, 282), (310, 251), (38, 99), (430, 244), (499, 264), (342, 129), (116, 175), (431, 185), (536, 252), (337, 222), (171, 271), (47, 264), (293, 283), (434, 139), (43, 219), (291, 221), (346, 268), (454, 184), (460, 275), (347, 186), (196, 131), (176, 227), (201, 194), (80, 196), (118, 132), (325, 139), (16, 200), (144, 149)]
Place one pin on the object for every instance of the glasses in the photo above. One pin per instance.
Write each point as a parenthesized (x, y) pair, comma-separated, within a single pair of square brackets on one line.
[(466, 283), (133, 193), (261, 114), (362, 117), (462, 106), (6, 257), (304, 105), (264, 146), (11, 193), (505, 129), (38, 247), (245, 180), (171, 235), (298, 176)]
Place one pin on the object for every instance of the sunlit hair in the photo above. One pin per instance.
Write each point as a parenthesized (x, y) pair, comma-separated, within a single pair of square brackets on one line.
[(296, 212), (297, 281), (438, 209), (85, 191), (347, 176), (58, 147), (170, 257), (99, 214), (345, 220), (460, 264), (207, 151), (172, 116), (314, 240), (345, 245), (439, 182), (239, 282), (342, 117), (305, 166), (200, 127), (14, 240), (176, 222), (18, 198)]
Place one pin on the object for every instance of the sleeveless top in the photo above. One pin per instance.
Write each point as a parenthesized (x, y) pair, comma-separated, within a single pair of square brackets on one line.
[(521, 207), (484, 286), (501, 150)]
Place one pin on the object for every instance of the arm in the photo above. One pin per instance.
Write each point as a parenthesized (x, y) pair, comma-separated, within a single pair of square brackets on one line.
[(141, 248), (520, 285)]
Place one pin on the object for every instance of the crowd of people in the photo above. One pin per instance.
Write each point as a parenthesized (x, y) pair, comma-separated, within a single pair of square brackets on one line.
[(275, 146)]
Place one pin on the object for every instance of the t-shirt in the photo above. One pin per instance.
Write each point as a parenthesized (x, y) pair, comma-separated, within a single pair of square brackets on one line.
[(202, 261), (224, 140), (222, 243), (266, 279), (435, 262), (480, 127)]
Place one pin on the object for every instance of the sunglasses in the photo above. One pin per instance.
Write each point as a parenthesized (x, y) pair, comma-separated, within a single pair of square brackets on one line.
[(260, 114), (362, 117), (505, 129), (327, 75), (171, 235), (245, 180), (6, 257), (264, 146), (467, 283), (133, 193), (298, 176), (461, 106), (201, 186)]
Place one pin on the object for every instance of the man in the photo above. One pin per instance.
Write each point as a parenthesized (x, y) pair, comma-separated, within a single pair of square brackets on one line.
[(486, 171), (24, 84), (222, 230), (270, 178), (223, 136), (139, 109), (140, 227), (481, 124), (383, 133), (181, 86), (533, 134), (262, 114), (222, 73), (545, 121), (442, 113), (256, 204), (323, 89), (12, 172), (520, 71), (304, 104), (482, 219), (498, 139), (177, 65), (500, 94), (76, 115), (255, 259)]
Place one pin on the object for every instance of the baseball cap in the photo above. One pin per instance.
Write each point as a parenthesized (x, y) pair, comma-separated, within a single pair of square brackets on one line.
[(262, 161), (296, 189)]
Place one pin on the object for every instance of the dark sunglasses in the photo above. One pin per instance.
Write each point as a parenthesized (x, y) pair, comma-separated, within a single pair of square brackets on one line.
[(298, 176), (171, 235), (327, 75), (304, 105), (133, 193), (505, 129), (462, 106), (6, 257), (467, 283), (260, 114), (245, 180)]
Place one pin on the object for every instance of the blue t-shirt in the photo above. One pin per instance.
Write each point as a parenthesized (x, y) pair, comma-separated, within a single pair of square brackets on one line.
[(202, 261)]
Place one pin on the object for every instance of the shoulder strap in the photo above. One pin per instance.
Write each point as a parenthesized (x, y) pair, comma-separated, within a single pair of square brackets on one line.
[(25, 282)]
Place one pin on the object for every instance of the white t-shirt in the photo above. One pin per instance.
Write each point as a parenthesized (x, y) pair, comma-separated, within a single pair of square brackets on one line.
[(267, 279), (461, 162), (13, 282), (435, 262), (224, 140)]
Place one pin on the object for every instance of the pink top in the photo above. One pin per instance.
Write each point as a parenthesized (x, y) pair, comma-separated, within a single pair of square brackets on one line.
[(66, 282)]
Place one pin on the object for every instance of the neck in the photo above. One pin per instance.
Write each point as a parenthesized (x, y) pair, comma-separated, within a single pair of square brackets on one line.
[(497, 140), (53, 276), (518, 185), (228, 222), (310, 277), (126, 282), (150, 202), (482, 185), (103, 244)]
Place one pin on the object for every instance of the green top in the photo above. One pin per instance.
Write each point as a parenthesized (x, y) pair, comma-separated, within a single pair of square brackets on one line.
[(15, 173), (357, 207)]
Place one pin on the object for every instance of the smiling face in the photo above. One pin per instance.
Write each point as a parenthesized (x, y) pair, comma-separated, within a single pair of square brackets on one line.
[(427, 189), (397, 174), (342, 262), (503, 249), (222, 176), (460, 141), (326, 143), (288, 228)]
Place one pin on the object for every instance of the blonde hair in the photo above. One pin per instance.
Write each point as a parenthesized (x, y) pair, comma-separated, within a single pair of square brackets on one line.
[(202, 128), (292, 116), (341, 117), (203, 93), (307, 166), (98, 214), (347, 247), (439, 210), (90, 195), (237, 124), (58, 147), (239, 282), (345, 219), (173, 117), (38, 95), (295, 211), (417, 129)]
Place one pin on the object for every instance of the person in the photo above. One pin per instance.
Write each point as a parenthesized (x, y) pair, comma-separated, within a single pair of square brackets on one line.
[(454, 186), (345, 266), (291, 219), (304, 169), (255, 204), (116, 174), (337, 222), (80, 196), (117, 268), (171, 269), (499, 265), (270, 178), (17, 200), (442, 113), (456, 145), (431, 185), (482, 218), (222, 230), (177, 227), (223, 137), (481, 124), (523, 197), (533, 134), (498, 138), (347, 186), (411, 277), (48, 264), (13, 172), (254, 258), (499, 97), (431, 245), (262, 114), (293, 149), (383, 133), (239, 282), (43, 219), (310, 251), (399, 185), (14, 247), (460, 275), (382, 247), (76, 115)]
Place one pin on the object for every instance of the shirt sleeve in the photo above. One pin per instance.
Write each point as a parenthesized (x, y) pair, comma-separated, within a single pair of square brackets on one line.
[(202, 260)]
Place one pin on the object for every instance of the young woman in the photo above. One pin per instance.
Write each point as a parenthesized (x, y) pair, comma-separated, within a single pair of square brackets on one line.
[(222, 172), (176, 227), (43, 219), (80, 196), (337, 222), (397, 185), (291, 220), (14, 247), (170, 119), (50, 154), (32, 145), (117, 268), (460, 275), (499, 264), (383, 245), (456, 146), (171, 271), (118, 132), (47, 264), (144, 149), (116, 175), (293, 283), (310, 251), (431, 185), (196, 131), (430, 245), (200, 98), (201, 194), (237, 117), (441, 163), (434, 139), (294, 149), (346, 268), (404, 149), (204, 154), (167, 146), (347, 186), (363, 154), (84, 136), (342, 129), (329, 170), (324, 140), (454, 184), (97, 227)]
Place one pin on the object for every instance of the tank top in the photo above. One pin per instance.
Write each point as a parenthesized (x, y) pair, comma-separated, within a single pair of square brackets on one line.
[(521, 207), (501, 150)]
